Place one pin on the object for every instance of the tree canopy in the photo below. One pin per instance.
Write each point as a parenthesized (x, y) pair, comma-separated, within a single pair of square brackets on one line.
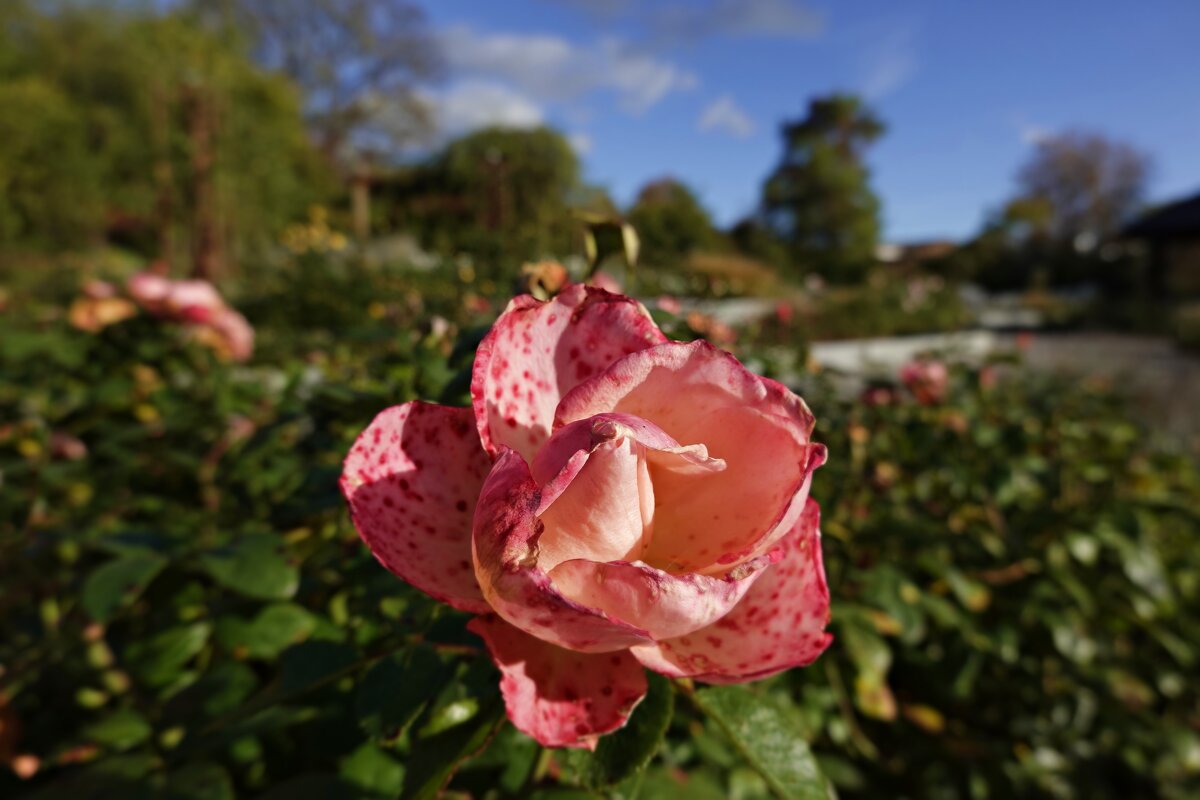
[(1086, 184), (138, 127), (818, 200), (670, 222)]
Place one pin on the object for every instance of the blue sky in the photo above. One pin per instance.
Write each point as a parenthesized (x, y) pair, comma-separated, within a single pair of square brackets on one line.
[(697, 89)]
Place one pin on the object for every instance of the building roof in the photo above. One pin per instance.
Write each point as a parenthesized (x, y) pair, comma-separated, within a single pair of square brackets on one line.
[(1174, 220)]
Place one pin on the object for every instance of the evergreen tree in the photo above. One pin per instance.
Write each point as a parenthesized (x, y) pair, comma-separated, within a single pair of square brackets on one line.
[(818, 201)]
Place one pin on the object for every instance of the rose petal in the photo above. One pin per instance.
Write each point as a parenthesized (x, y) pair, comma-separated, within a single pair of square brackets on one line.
[(559, 697), (665, 605), (779, 624), (412, 479), (194, 299), (505, 542), (597, 498), (604, 513), (236, 332), (149, 289), (700, 395), (537, 352)]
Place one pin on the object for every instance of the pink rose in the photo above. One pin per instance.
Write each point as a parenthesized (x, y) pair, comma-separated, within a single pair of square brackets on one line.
[(149, 290), (98, 289), (199, 306), (237, 336), (926, 379), (193, 301), (612, 501)]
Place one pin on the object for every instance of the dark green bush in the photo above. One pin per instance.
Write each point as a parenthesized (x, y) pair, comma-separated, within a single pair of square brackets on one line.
[(187, 612)]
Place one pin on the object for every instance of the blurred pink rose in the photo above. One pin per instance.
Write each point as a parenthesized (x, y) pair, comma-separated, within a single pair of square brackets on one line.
[(602, 280), (66, 447), (669, 304), (926, 379), (987, 378), (199, 306), (149, 290), (193, 301), (877, 396), (99, 290), (611, 501), (784, 312)]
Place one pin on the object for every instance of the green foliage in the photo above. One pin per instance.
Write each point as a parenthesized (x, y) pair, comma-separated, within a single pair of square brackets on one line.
[(187, 611), (98, 135), (502, 195), (818, 201), (767, 738), (50, 188), (671, 223)]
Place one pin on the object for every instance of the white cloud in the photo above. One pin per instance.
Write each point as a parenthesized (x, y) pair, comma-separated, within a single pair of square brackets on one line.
[(677, 21), (471, 104), (890, 65), (725, 116), (692, 21), (550, 68), (1033, 134), (581, 143)]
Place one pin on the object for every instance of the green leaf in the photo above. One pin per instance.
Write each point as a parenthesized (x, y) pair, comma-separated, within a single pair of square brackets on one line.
[(120, 730), (204, 781), (126, 777), (309, 665), (158, 660), (219, 691), (311, 786), (273, 629), (373, 770), (117, 584), (435, 758), (397, 689), (255, 566), (628, 750), (767, 738)]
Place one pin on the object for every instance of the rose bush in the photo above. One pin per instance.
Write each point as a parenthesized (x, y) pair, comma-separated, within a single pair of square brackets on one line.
[(611, 501)]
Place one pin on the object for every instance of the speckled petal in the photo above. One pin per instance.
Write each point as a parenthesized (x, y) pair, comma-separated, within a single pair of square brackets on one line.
[(412, 479), (698, 394), (506, 532), (537, 352), (779, 624), (559, 697)]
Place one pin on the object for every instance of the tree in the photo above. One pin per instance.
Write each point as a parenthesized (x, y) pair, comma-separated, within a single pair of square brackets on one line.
[(50, 190), (158, 127), (1089, 185), (670, 222), (357, 63), (818, 201), (502, 194)]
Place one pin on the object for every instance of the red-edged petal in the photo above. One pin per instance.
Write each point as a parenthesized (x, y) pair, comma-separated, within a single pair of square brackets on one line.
[(412, 479), (537, 352), (506, 532), (779, 624), (697, 394), (665, 605), (560, 697)]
